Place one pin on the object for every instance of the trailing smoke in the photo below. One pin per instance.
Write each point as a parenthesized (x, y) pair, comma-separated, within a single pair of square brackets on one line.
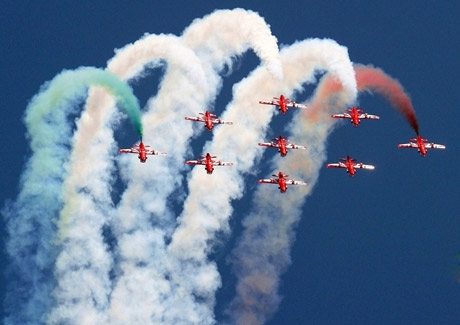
[(259, 261), (145, 217), (31, 218), (369, 78), (262, 254), (85, 256), (159, 271), (375, 79), (209, 204)]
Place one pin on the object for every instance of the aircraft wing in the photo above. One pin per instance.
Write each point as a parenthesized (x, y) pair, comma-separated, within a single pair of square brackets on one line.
[(267, 181), (364, 166), (219, 121), (407, 145), (434, 146), (268, 103), (368, 116), (345, 115), (336, 165), (294, 182), (195, 162), (132, 150), (295, 105), (196, 119), (155, 153), (268, 144), (222, 163), (294, 146)]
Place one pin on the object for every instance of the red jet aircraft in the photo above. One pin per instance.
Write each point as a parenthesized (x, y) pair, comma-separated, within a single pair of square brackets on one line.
[(355, 114), (283, 103), (282, 144), (209, 120), (282, 181), (208, 162), (142, 150), (422, 145), (350, 164)]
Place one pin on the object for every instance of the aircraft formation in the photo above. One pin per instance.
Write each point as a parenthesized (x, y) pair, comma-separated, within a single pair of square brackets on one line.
[(282, 144), (355, 115)]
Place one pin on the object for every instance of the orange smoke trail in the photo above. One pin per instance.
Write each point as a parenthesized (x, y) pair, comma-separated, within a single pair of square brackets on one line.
[(370, 78)]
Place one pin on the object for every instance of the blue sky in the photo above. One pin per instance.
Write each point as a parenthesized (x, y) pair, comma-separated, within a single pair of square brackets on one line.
[(382, 247)]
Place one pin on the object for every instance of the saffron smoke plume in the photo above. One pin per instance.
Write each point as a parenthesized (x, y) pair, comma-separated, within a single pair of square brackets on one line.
[(262, 254), (375, 79)]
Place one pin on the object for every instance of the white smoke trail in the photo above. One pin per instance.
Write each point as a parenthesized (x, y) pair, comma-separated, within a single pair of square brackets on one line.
[(263, 252), (146, 291), (225, 32), (83, 266), (208, 205)]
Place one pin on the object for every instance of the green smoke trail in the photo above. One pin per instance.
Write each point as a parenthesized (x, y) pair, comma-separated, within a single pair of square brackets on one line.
[(31, 219), (68, 83)]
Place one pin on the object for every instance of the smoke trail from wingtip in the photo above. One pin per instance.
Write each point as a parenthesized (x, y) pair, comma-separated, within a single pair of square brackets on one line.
[(31, 218), (375, 79)]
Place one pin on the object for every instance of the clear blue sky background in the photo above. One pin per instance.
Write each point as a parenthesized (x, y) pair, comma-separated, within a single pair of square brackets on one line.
[(382, 247)]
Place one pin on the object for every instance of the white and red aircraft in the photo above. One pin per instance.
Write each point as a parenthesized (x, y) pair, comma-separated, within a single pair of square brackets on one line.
[(283, 103), (142, 150), (350, 164), (208, 162), (422, 145), (282, 144), (282, 181), (355, 114), (209, 120)]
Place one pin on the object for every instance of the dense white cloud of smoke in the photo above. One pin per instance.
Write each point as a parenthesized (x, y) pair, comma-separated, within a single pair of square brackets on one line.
[(155, 267)]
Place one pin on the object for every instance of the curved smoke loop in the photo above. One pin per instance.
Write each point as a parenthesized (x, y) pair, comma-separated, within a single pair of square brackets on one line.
[(159, 270)]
